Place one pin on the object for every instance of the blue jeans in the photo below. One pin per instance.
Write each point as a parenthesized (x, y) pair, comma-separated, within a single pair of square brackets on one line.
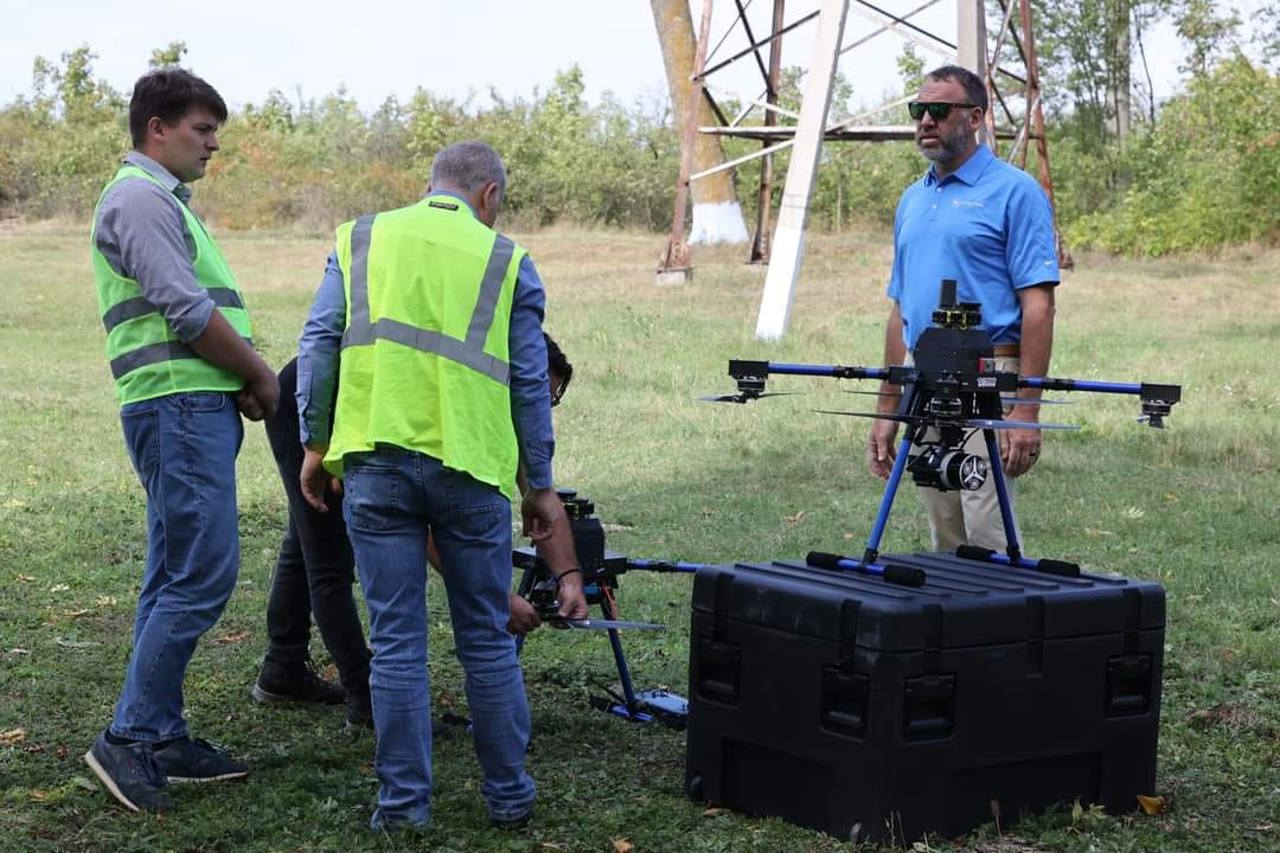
[(184, 448), (393, 499)]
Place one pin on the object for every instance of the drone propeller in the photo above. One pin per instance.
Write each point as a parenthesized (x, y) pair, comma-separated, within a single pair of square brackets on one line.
[(992, 423), (902, 419), (743, 398), (976, 423), (867, 393), (1033, 401)]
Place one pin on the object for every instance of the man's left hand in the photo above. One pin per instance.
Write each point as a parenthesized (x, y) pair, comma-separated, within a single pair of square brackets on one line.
[(1020, 448), (314, 478)]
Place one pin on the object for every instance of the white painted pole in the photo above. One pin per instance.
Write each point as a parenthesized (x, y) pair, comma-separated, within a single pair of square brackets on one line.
[(788, 238)]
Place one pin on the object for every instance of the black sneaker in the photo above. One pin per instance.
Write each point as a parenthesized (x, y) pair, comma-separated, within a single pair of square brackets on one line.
[(196, 760), (359, 713), (510, 824), (298, 683), (129, 771)]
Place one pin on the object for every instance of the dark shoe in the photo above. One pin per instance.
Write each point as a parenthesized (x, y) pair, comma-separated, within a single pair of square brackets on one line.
[(196, 760), (359, 713), (511, 823), (129, 771), (298, 683)]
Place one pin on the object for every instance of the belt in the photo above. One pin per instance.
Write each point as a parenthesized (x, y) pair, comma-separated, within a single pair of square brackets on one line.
[(1006, 350)]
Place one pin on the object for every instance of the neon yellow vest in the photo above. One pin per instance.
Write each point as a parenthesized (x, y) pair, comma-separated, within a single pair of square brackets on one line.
[(147, 358), (425, 361)]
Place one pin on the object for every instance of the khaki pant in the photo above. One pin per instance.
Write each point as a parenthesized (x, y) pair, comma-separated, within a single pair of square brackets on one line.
[(969, 517)]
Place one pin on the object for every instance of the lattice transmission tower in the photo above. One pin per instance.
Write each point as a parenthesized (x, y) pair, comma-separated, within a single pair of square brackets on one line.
[(1004, 56)]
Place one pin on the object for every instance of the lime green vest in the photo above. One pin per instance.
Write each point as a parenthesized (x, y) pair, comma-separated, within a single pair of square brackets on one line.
[(147, 358), (425, 362)]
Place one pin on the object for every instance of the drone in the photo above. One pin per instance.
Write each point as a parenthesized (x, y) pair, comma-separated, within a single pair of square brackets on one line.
[(601, 569), (951, 390)]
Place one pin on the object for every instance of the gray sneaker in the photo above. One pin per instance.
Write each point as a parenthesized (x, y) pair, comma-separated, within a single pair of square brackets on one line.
[(130, 772), (196, 760)]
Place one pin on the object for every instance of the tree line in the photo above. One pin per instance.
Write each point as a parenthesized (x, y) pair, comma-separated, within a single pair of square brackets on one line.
[(1197, 171)]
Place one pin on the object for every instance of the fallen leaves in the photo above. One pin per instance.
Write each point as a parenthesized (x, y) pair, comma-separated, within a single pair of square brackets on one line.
[(1231, 716), (13, 737), (228, 639), (622, 845), (1152, 805), (797, 518), (713, 811)]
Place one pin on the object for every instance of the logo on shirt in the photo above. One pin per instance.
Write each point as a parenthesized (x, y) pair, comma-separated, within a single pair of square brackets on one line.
[(960, 202)]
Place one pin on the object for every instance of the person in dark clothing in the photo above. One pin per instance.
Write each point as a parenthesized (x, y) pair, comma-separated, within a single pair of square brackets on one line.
[(315, 572)]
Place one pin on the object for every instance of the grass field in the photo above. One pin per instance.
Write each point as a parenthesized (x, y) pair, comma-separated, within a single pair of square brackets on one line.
[(1196, 507)]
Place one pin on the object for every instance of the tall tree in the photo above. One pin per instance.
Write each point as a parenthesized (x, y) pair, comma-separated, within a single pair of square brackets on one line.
[(1085, 50), (1208, 30)]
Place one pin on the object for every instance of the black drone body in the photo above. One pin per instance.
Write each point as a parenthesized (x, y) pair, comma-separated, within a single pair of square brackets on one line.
[(950, 390)]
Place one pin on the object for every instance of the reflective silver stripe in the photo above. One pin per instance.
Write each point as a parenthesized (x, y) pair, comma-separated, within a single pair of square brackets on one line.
[(150, 354), (469, 353), (138, 306), (358, 326), (426, 340), (490, 289), (153, 354)]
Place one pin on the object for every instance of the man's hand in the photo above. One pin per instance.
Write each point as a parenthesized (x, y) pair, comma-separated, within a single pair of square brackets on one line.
[(573, 604), (249, 405), (541, 510), (1020, 448), (264, 389), (314, 478), (881, 450), (524, 616)]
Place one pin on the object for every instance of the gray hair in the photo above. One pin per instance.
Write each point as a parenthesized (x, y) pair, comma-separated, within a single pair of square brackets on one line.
[(468, 166)]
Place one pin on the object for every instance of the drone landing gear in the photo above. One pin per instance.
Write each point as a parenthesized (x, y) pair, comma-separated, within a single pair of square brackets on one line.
[(647, 706), (1013, 551)]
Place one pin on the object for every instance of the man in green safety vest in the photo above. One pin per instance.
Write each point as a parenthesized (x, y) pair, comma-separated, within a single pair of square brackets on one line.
[(443, 390), (179, 344)]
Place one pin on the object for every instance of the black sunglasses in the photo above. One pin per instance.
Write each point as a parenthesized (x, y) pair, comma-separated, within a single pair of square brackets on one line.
[(558, 394), (937, 110)]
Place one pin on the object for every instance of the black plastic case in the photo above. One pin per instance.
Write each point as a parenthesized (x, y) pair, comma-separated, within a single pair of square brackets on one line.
[(879, 712)]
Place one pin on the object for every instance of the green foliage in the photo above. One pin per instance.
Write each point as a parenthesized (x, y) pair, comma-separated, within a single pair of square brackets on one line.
[(910, 69), (1202, 172), (1206, 174), (58, 145), (164, 57)]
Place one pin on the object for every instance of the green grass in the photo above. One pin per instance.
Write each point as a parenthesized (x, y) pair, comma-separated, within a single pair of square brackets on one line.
[(1196, 507)]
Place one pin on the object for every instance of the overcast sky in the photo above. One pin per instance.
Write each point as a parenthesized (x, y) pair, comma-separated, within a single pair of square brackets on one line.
[(378, 48)]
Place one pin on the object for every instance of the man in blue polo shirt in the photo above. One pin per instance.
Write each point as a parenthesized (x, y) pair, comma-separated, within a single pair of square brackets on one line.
[(989, 226)]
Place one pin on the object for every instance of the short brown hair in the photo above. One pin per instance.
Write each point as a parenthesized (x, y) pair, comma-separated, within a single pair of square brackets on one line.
[(169, 94)]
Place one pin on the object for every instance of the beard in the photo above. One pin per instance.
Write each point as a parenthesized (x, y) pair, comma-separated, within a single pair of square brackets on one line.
[(950, 145)]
